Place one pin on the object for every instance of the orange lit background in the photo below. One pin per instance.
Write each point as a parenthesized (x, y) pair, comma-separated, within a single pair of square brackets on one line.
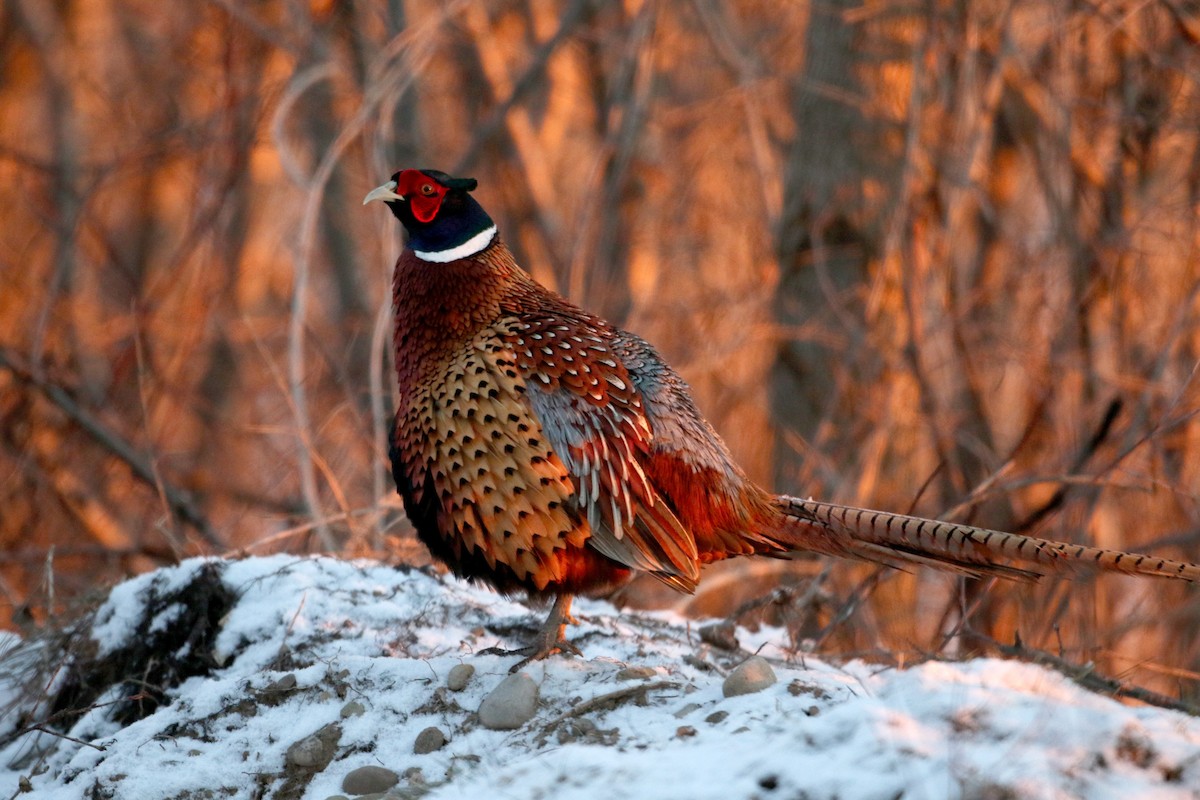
[(937, 257)]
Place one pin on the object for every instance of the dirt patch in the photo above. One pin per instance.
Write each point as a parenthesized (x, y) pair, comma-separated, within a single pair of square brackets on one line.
[(173, 640)]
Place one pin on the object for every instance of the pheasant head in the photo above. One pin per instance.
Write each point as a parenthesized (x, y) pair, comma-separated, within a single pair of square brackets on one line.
[(444, 222)]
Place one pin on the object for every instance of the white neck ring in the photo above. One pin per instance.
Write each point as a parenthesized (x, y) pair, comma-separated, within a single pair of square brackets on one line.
[(468, 248)]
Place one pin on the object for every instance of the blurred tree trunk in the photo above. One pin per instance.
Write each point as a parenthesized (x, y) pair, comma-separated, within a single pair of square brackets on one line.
[(826, 239)]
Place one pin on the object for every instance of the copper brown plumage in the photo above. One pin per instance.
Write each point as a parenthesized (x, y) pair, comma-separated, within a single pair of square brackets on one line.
[(539, 448)]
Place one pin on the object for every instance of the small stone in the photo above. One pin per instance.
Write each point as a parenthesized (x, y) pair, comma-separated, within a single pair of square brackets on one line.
[(305, 753), (429, 740), (284, 684), (576, 730), (352, 709), (460, 675), (245, 707), (511, 704), (316, 751), (337, 797), (685, 732), (369, 780), (636, 673), (798, 687), (720, 634), (689, 708), (752, 675), (716, 716)]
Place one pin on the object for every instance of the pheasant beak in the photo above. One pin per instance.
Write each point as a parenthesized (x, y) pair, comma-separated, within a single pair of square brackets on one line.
[(385, 192)]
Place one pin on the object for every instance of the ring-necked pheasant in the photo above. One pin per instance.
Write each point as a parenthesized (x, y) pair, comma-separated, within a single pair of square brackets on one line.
[(538, 447)]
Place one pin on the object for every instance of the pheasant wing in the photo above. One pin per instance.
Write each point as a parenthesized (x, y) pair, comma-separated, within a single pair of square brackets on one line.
[(592, 414)]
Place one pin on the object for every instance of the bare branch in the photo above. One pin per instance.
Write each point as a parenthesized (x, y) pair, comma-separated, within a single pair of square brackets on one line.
[(179, 500)]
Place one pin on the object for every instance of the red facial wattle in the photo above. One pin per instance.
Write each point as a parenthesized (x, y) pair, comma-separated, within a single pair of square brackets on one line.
[(423, 193)]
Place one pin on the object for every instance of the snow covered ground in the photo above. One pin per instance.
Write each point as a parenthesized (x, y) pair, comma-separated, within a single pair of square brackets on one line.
[(294, 673)]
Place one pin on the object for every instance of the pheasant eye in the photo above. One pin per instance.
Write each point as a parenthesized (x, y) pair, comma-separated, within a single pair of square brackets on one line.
[(427, 190)]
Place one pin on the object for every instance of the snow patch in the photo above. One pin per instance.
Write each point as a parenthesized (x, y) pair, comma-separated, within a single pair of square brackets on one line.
[(361, 652)]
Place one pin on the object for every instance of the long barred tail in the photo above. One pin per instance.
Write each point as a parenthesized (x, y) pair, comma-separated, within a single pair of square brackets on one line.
[(897, 539)]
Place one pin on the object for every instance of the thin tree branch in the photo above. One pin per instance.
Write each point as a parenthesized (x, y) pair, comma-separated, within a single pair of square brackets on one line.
[(1086, 676), (178, 500)]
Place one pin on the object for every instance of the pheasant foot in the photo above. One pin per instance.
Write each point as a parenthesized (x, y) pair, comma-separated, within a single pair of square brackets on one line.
[(551, 639)]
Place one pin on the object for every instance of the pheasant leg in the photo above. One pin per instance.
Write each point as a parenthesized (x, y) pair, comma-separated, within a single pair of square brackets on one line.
[(551, 640)]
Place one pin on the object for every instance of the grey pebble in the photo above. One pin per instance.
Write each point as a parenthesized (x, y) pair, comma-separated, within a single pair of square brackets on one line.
[(720, 634), (429, 740), (636, 673), (752, 675), (353, 709), (316, 751), (306, 753), (511, 704), (369, 780), (284, 684), (689, 708), (460, 675)]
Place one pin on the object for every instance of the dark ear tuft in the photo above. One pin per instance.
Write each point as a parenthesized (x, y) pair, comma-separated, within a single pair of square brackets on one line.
[(465, 184)]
